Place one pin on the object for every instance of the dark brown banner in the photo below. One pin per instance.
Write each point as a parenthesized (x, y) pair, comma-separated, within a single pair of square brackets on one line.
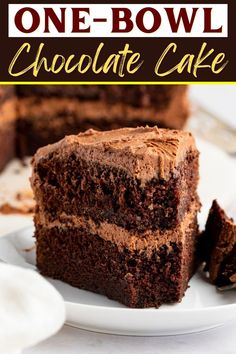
[(202, 54)]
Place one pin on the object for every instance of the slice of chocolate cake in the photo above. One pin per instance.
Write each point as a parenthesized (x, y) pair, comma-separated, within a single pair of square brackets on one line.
[(48, 113), (7, 124), (117, 213), (219, 247)]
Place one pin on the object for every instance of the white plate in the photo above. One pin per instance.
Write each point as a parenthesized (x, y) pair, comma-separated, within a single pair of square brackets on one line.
[(202, 307)]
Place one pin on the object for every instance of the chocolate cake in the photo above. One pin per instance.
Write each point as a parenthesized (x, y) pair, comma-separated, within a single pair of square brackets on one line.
[(117, 212), (7, 124), (48, 113), (34, 116), (219, 247)]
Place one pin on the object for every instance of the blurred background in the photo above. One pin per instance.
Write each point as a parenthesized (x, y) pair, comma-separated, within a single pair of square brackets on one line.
[(213, 114)]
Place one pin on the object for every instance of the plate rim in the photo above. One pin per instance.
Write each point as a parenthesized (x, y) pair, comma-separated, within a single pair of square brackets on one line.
[(152, 309)]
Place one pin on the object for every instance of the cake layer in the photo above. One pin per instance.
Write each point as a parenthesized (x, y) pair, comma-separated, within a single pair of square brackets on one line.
[(138, 179), (86, 92), (136, 277), (51, 112), (149, 240), (101, 112)]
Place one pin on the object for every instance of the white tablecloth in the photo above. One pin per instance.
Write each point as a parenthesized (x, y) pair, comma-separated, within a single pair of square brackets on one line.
[(73, 341)]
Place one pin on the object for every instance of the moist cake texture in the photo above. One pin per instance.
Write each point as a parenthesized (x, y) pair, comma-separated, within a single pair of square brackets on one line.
[(51, 112), (7, 124), (219, 247), (117, 213)]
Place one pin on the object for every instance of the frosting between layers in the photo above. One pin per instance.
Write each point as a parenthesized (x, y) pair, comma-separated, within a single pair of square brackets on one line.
[(94, 110), (6, 92), (30, 107), (121, 237), (144, 153), (7, 112)]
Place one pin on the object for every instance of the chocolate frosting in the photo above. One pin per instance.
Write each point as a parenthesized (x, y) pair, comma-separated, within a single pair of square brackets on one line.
[(143, 152), (8, 112), (121, 237), (175, 114)]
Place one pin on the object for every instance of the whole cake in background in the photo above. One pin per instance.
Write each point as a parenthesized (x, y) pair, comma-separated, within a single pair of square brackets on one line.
[(116, 213), (45, 114), (219, 247)]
